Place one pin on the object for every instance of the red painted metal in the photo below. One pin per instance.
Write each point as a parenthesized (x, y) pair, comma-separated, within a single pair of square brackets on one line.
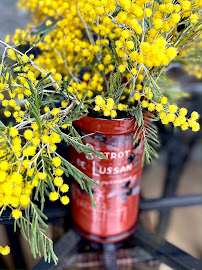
[(117, 201)]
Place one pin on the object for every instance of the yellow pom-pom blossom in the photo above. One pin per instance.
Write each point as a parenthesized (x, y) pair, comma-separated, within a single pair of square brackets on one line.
[(120, 107), (7, 113), (55, 111), (54, 196), (165, 120), (137, 96), (25, 58), (12, 54), (159, 107), (64, 188), (185, 126), (24, 200), (194, 115), (194, 18), (145, 103), (4, 250), (171, 117), (56, 161), (16, 213), (162, 114), (99, 100), (151, 107), (172, 108), (163, 100), (42, 175), (64, 200), (28, 134), (13, 132), (46, 109), (122, 68), (59, 172), (113, 113), (35, 126), (58, 181), (106, 112), (196, 127), (183, 111), (4, 165)]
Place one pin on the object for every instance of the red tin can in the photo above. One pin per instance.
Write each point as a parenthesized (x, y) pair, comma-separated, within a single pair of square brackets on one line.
[(117, 201)]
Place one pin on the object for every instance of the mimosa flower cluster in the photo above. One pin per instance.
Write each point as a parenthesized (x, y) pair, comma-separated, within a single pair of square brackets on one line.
[(28, 145), (21, 149), (38, 114), (136, 39)]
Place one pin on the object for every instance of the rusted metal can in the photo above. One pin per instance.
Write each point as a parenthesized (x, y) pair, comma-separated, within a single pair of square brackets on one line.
[(116, 214)]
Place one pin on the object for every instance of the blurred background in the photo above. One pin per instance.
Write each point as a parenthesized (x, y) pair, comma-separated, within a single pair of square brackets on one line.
[(178, 166)]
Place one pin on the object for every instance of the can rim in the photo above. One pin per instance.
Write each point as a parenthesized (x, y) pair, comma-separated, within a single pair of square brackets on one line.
[(106, 126)]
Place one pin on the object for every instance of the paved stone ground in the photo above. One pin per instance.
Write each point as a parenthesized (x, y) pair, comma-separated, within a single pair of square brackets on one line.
[(11, 18)]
